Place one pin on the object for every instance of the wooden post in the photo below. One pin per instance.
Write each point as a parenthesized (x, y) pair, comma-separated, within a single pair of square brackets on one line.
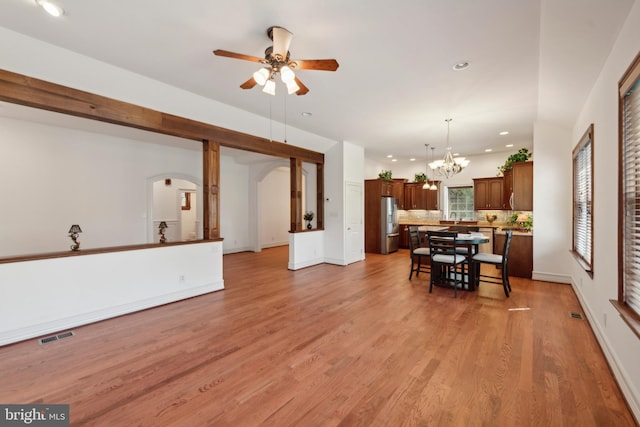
[(211, 189), (296, 194), (320, 195)]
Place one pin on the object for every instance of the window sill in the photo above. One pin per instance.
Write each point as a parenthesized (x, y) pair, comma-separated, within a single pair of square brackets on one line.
[(586, 267), (629, 316)]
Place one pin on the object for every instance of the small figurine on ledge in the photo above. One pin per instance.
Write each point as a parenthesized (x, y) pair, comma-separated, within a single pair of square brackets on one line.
[(308, 216), (74, 231), (163, 226)]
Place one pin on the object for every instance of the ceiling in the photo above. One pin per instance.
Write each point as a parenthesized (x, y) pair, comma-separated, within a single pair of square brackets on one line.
[(529, 60)]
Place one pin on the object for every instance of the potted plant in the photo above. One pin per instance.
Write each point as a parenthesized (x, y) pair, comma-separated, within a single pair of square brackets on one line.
[(420, 177), (522, 220), (308, 216), (386, 175), (522, 155)]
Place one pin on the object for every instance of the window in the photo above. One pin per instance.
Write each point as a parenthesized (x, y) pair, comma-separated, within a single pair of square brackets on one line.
[(628, 302), (583, 200), (460, 202)]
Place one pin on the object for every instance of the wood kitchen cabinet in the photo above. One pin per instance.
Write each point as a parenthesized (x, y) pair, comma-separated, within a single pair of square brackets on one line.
[(518, 187), (397, 191), (404, 236), (488, 193), (520, 254), (415, 197)]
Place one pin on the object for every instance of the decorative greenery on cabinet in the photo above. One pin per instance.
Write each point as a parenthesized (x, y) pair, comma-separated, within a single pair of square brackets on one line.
[(522, 155), (420, 177), (386, 175)]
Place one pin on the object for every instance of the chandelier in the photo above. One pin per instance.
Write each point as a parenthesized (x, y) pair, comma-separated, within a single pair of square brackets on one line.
[(426, 185), (450, 165)]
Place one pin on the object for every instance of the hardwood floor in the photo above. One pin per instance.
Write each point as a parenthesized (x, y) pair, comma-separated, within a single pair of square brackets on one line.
[(329, 346)]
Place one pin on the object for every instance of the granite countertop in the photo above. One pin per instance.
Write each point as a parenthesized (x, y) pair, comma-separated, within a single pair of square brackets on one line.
[(482, 224), (515, 232), (496, 225)]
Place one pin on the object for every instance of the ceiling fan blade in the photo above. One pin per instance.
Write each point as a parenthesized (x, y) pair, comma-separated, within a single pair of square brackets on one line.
[(314, 64), (303, 89), (220, 52), (249, 84), (281, 40)]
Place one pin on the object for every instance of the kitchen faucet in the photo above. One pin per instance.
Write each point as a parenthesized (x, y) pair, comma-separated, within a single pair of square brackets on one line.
[(454, 215)]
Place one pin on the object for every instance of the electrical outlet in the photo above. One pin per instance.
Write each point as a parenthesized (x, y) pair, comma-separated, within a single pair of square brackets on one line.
[(181, 278)]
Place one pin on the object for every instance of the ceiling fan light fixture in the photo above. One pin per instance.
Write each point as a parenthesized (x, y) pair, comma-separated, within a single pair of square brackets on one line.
[(292, 87), (286, 74), (51, 8), (270, 87), (261, 76)]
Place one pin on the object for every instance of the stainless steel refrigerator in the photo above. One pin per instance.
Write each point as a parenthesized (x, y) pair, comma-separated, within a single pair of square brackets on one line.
[(390, 230)]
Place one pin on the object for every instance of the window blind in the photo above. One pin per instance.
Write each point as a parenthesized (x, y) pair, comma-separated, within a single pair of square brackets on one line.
[(631, 195), (583, 199)]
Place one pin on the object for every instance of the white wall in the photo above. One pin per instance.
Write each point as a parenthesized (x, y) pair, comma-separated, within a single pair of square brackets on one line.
[(274, 200), (166, 207), (46, 296), (54, 177), (347, 163), (552, 203), (620, 345), (235, 225), (76, 278)]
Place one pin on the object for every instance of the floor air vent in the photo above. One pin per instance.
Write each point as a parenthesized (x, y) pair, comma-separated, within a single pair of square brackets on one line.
[(575, 315), (58, 337)]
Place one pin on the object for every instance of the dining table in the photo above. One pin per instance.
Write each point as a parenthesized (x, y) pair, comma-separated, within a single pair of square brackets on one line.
[(470, 241)]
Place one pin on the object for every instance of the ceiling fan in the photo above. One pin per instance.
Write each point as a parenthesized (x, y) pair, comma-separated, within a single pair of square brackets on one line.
[(277, 61)]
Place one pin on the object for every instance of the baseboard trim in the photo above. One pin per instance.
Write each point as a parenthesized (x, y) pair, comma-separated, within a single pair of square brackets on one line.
[(305, 264), (238, 250), (628, 390), (336, 261), (551, 277), (22, 334)]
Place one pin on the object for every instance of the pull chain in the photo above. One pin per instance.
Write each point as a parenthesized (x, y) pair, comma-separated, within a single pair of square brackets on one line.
[(285, 118), (270, 122)]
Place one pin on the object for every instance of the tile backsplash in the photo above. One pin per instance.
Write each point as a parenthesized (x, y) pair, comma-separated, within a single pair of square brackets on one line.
[(422, 215)]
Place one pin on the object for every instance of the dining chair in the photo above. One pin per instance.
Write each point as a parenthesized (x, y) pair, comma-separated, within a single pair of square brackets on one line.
[(417, 253), (497, 260), (442, 246)]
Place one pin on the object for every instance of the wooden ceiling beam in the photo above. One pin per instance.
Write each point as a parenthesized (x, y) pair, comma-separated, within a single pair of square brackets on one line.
[(20, 89)]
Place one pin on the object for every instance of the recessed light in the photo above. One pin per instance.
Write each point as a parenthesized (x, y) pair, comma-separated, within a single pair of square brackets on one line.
[(462, 65), (504, 132), (412, 160), (394, 160), (389, 156), (306, 114), (488, 150), (51, 8), (509, 145)]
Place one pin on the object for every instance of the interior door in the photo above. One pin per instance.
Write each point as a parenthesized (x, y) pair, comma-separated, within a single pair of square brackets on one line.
[(354, 222)]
